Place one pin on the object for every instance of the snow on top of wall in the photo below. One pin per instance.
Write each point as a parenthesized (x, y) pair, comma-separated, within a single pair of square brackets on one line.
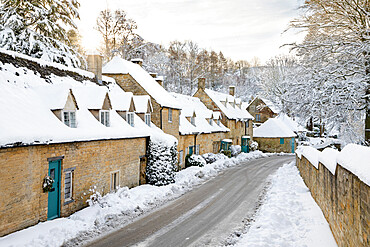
[(273, 128), (47, 63), (328, 157), (228, 109), (26, 116), (311, 154), (141, 103), (120, 66), (293, 125), (203, 115), (356, 159)]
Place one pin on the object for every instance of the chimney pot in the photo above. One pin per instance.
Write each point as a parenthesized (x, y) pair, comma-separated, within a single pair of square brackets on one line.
[(232, 90), (138, 61), (201, 83)]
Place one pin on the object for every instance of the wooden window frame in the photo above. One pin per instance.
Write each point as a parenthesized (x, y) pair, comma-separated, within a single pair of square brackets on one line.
[(117, 180), (69, 118), (170, 115), (70, 198), (130, 118), (181, 156), (148, 118)]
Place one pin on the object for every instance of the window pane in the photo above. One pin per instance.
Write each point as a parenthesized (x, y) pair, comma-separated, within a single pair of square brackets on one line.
[(107, 120), (102, 118), (73, 119), (66, 118)]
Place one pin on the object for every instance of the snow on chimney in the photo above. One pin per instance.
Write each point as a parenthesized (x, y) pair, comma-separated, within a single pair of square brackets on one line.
[(201, 83), (138, 61), (94, 65), (232, 90)]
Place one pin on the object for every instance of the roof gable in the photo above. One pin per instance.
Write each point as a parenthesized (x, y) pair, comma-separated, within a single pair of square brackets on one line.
[(273, 128)]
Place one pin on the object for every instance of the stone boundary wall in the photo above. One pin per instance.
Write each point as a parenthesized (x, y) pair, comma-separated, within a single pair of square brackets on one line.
[(344, 200)]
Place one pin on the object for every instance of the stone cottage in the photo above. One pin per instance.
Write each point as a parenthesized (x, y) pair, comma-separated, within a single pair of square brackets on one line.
[(232, 116), (261, 109), (57, 122), (274, 136), (131, 77), (201, 130)]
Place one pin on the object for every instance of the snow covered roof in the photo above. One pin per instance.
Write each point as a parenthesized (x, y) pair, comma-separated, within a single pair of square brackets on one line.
[(121, 101), (120, 66), (26, 116), (293, 125), (193, 106), (142, 102), (226, 104), (273, 128), (267, 102)]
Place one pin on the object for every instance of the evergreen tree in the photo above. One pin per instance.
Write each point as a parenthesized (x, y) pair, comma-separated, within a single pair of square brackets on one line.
[(162, 164), (36, 28)]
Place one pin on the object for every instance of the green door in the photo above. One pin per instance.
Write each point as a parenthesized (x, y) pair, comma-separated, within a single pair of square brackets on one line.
[(54, 194), (292, 145)]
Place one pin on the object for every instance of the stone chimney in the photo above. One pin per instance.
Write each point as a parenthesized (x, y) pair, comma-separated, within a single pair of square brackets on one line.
[(94, 65), (152, 74), (232, 90), (201, 83), (159, 79), (138, 61)]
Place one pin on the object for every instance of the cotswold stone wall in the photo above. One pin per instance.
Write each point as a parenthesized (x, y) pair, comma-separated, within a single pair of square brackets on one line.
[(273, 145), (344, 200), (22, 169)]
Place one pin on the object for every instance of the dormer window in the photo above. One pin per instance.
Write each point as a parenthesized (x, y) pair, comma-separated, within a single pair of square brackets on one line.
[(130, 119), (104, 118), (69, 118), (147, 119), (218, 122), (210, 121)]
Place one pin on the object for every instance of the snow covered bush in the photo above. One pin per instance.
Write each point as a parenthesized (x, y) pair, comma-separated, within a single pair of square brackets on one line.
[(235, 150), (211, 157), (162, 164), (254, 146), (95, 197), (195, 160), (226, 153)]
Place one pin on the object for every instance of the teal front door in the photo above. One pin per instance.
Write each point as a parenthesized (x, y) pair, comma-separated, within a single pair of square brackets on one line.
[(292, 141), (54, 194)]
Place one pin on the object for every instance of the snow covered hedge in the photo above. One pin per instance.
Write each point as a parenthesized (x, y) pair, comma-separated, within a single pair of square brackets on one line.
[(162, 163)]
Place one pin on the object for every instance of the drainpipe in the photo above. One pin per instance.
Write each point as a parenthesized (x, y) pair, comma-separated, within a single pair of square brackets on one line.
[(161, 115)]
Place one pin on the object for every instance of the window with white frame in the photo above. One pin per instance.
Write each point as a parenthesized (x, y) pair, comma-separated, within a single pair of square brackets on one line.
[(114, 180), (169, 115), (181, 156), (68, 183), (258, 117), (196, 151), (147, 119), (130, 119), (104, 117), (218, 122), (69, 118), (192, 120), (210, 121)]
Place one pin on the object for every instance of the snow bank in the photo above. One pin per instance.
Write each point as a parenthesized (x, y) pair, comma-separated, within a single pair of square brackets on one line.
[(310, 153), (289, 216), (356, 159), (125, 202)]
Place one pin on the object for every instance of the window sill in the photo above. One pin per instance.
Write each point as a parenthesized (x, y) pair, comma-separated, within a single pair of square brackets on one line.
[(68, 202)]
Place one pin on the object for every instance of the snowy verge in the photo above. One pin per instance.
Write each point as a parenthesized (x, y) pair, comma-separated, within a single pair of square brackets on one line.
[(124, 203), (289, 216)]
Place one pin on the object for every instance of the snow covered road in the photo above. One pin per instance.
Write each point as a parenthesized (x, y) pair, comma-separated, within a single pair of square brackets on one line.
[(206, 215)]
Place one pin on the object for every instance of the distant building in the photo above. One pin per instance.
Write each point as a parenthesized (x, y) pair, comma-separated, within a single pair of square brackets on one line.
[(239, 121), (261, 109)]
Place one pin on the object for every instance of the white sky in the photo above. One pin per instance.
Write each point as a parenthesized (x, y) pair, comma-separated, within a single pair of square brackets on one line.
[(241, 29)]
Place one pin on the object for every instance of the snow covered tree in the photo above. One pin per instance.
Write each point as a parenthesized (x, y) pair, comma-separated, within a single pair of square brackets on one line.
[(118, 32), (162, 164), (333, 80), (36, 28)]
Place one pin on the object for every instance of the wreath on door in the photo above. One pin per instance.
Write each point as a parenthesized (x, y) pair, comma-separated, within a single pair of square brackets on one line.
[(47, 185)]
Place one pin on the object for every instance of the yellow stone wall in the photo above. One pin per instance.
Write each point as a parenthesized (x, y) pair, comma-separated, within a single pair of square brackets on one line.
[(23, 202), (272, 145)]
